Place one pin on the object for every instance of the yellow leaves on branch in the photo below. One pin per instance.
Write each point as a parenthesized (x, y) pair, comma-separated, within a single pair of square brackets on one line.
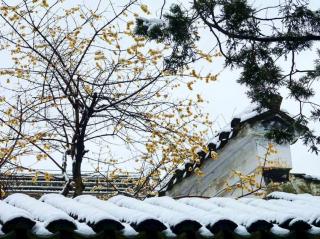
[(47, 177), (72, 41), (4, 152), (47, 146), (205, 56), (251, 183), (99, 66), (41, 156), (9, 111), (194, 73), (2, 99), (152, 52), (8, 9), (199, 98), (213, 155), (207, 78), (129, 25), (35, 177), (210, 77), (110, 36), (145, 8), (14, 18), (13, 122), (2, 192), (88, 89), (72, 10), (44, 3), (99, 55), (151, 147), (271, 149), (172, 148), (189, 85), (37, 137), (248, 183), (198, 172)]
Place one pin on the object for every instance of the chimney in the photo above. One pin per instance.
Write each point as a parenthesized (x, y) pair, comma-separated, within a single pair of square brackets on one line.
[(274, 102)]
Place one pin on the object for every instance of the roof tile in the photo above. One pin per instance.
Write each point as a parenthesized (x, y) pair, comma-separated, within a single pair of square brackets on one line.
[(281, 215)]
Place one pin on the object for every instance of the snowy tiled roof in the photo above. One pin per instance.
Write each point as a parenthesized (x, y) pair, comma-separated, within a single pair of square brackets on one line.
[(55, 216), (221, 139), (314, 178)]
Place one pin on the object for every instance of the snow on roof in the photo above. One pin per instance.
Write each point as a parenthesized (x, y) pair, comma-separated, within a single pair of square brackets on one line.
[(249, 220), (306, 205), (280, 215), (250, 112), (128, 231), (174, 219), (206, 218), (137, 219), (310, 177), (273, 212), (40, 230), (294, 197), (82, 212), (10, 212), (40, 211), (84, 229)]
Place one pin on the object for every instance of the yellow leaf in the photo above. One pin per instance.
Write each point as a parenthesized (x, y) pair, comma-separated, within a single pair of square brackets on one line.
[(213, 155), (47, 177), (45, 3), (88, 89), (35, 177), (2, 193), (145, 8), (2, 99), (189, 84), (198, 172), (8, 111), (47, 146)]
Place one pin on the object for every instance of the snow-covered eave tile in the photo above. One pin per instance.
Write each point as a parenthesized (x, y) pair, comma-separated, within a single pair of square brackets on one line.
[(282, 216)]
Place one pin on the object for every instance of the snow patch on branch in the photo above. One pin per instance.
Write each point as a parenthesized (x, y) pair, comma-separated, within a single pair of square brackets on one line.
[(150, 24)]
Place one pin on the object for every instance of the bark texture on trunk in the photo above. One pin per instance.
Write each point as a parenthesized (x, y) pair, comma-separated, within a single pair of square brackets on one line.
[(76, 169), (78, 141)]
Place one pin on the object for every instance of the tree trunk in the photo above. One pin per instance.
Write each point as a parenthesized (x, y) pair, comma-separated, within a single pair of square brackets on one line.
[(76, 168), (78, 144)]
